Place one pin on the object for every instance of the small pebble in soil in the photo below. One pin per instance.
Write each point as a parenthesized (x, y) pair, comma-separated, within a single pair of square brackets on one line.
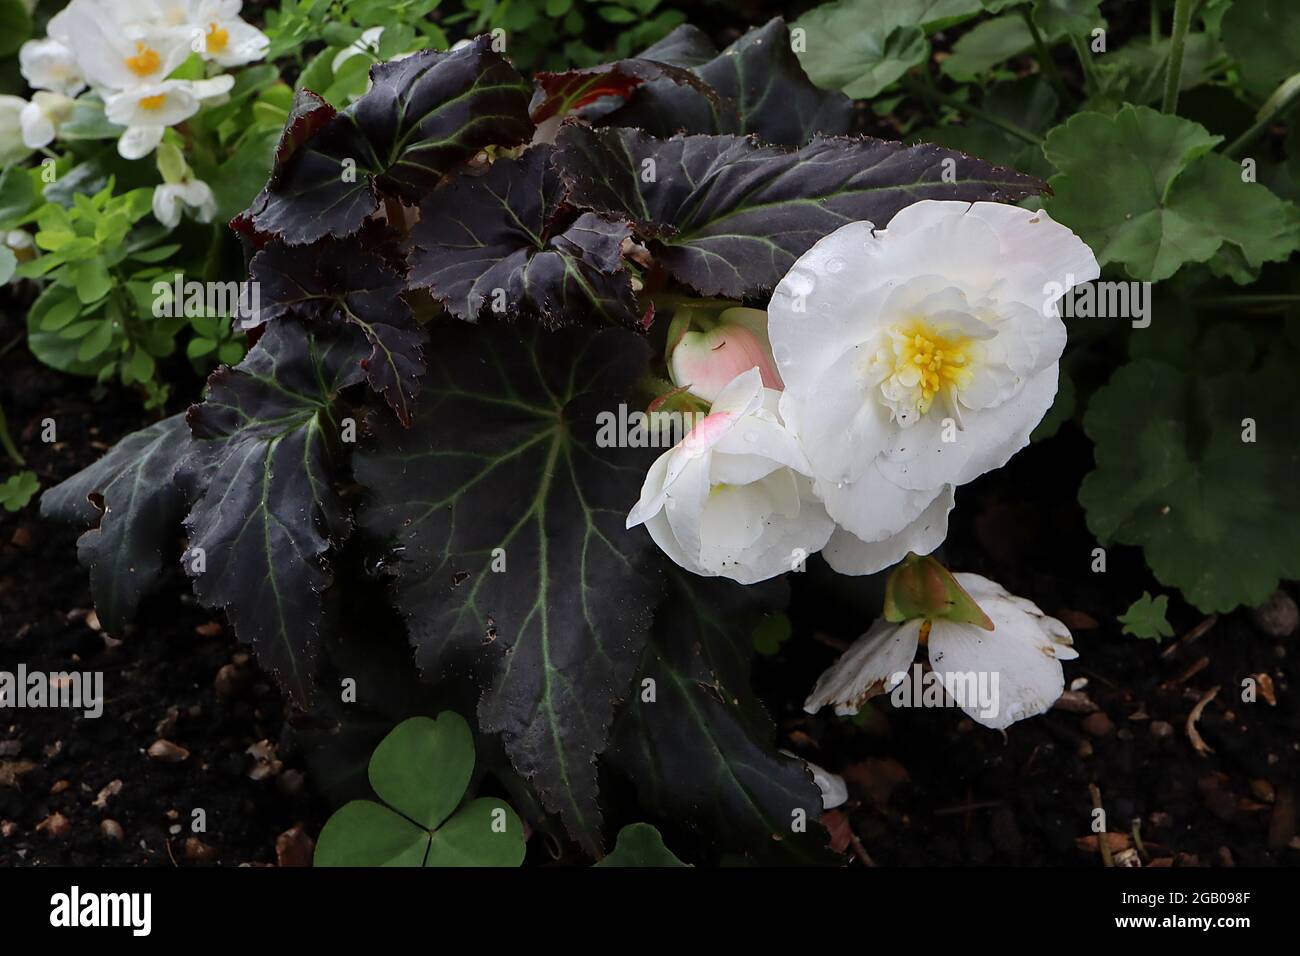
[(1098, 725), (198, 851), (111, 830), (1278, 616), (55, 825), (1161, 729), (294, 847), (167, 752)]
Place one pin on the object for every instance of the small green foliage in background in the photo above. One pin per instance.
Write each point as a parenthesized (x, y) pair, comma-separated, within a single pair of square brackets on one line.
[(421, 772), (1145, 618), (18, 490), (771, 632)]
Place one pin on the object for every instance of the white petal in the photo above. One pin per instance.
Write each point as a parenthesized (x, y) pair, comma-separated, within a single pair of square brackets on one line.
[(139, 141), (874, 508), (875, 663), (1024, 651), (38, 129), (849, 554)]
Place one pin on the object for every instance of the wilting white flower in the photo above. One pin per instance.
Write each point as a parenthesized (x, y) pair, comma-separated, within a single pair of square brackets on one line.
[(42, 117), (916, 358), (12, 147), (1024, 651), (705, 362), (170, 198), (731, 499), (49, 65)]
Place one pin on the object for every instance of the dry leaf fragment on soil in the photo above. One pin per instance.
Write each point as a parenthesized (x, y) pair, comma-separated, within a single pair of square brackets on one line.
[(1198, 742), (12, 771)]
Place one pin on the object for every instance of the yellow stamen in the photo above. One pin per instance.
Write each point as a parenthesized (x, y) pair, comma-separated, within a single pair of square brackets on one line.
[(153, 102), (932, 361), (218, 38), (145, 61)]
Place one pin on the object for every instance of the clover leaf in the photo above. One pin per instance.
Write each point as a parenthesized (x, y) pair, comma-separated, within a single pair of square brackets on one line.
[(1170, 202), (19, 489), (1146, 619), (1198, 468), (421, 771), (639, 844)]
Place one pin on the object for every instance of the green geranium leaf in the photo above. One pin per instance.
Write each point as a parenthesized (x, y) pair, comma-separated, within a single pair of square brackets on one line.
[(862, 46), (773, 631), (1173, 204), (508, 515), (421, 770), (128, 502), (1179, 474), (1263, 36), (423, 767), (1066, 17), (1028, 102), (1146, 619), (990, 43), (640, 845)]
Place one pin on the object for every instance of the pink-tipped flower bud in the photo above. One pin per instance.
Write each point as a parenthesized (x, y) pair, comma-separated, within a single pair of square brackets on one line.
[(705, 362)]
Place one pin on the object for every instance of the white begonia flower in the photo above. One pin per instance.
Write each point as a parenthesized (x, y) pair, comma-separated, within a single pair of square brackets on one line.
[(13, 149), (42, 117), (918, 357), (116, 46), (225, 38), (731, 499), (1024, 649), (169, 199), (833, 789), (49, 65)]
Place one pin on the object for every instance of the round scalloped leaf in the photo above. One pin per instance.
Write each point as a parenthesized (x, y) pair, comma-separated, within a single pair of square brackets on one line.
[(1199, 471), (423, 767), (363, 833), (486, 832)]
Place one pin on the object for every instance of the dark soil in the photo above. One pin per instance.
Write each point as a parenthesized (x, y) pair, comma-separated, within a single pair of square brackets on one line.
[(159, 683)]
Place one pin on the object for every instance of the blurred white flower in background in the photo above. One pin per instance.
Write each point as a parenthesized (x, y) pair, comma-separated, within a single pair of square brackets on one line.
[(170, 199), (12, 147), (42, 117), (49, 65)]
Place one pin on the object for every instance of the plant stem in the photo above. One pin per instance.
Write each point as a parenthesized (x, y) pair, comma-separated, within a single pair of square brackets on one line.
[(1155, 22), (1273, 110), (977, 113), (7, 443), (1045, 62), (1090, 82), (1177, 40)]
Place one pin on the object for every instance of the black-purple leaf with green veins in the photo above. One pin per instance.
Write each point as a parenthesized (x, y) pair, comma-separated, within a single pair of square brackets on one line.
[(508, 521), (422, 118), (260, 478), (760, 89), (506, 242), (702, 753), (346, 281), (133, 510), (728, 217)]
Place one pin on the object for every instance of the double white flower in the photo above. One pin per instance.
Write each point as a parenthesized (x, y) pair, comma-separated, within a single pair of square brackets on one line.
[(732, 498), (912, 360)]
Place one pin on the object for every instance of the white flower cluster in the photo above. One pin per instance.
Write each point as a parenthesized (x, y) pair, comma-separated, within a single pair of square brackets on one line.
[(123, 52), (895, 364)]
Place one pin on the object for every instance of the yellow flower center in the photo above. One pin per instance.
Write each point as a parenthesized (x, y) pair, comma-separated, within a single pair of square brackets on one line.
[(930, 362), (154, 102), (145, 61), (218, 38)]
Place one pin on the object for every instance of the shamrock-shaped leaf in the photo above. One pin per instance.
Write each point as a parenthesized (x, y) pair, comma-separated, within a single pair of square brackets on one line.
[(1175, 202), (1198, 468), (757, 85), (728, 217), (640, 845), (423, 117), (260, 478), (128, 500), (1146, 619), (17, 490), (421, 771), (506, 242), (508, 515)]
